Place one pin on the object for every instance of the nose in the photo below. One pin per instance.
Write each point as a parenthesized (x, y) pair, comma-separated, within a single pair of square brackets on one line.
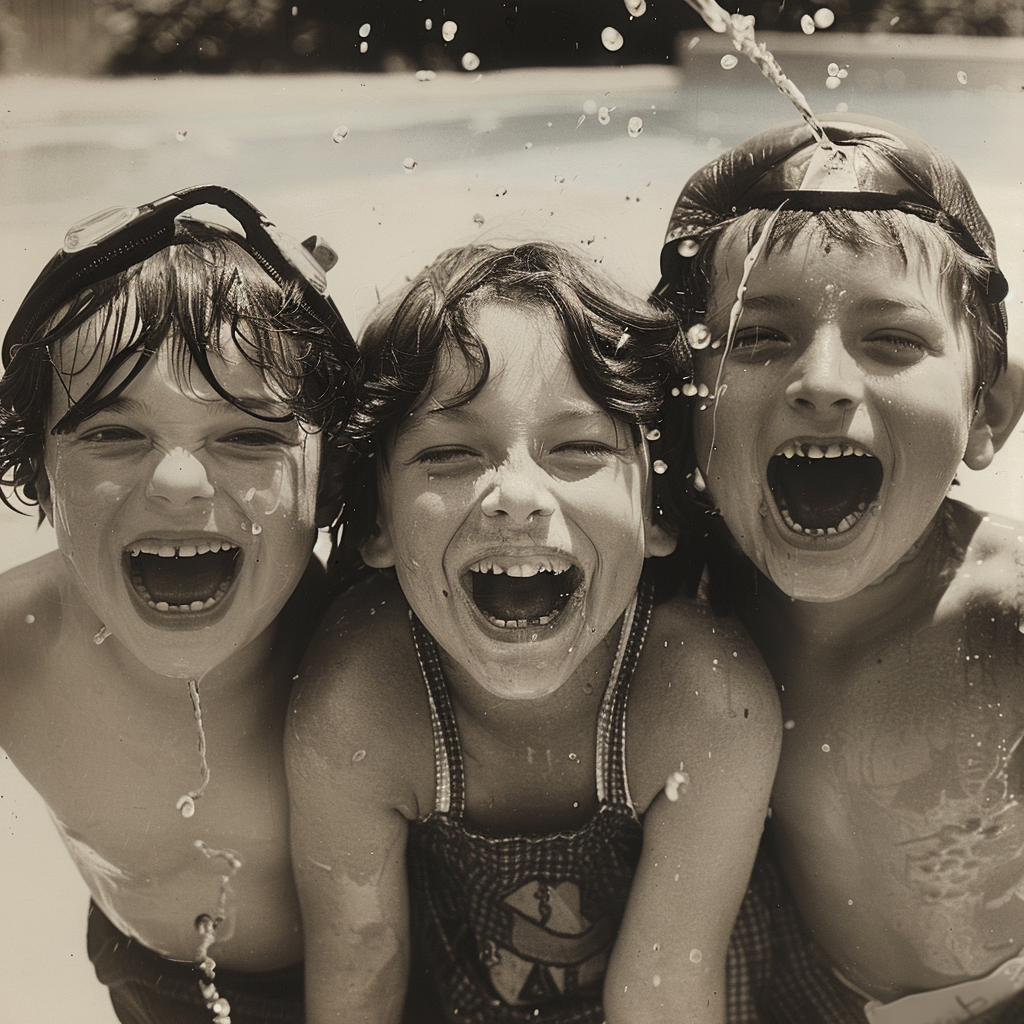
[(179, 477), (518, 490), (825, 376)]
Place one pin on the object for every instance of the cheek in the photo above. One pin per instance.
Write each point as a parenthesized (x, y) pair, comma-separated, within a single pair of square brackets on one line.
[(285, 486)]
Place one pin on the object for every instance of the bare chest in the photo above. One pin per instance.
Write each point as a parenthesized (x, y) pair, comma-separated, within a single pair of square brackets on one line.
[(899, 808)]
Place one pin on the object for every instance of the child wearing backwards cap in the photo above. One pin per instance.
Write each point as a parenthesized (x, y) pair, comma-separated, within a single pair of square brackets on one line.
[(854, 354), (507, 720), (167, 400)]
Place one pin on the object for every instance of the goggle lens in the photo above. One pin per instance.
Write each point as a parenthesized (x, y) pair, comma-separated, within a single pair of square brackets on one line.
[(95, 228)]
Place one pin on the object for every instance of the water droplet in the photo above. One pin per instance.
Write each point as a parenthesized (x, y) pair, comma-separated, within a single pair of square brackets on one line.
[(635, 127), (699, 337), (833, 68), (180, 136), (186, 805), (448, 30), (426, 76), (807, 25), (833, 82), (824, 18), (101, 635), (656, 980), (636, 8), (842, 108), (470, 61), (892, 21), (30, 619), (560, 179), (256, 529), (789, 724), (696, 956), (589, 107), (842, 73), (689, 389), (358, 756), (529, 145), (729, 61), (849, 903), (826, 749), (409, 164), (364, 46), (340, 132), (653, 434), (428, 24), (688, 247), (961, 77), (478, 219), (659, 466), (250, 494), (364, 30), (603, 116), (295, 12), (611, 39), (676, 392), (574, 757)]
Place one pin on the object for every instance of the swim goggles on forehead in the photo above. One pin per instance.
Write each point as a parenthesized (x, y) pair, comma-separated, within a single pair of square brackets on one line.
[(114, 240)]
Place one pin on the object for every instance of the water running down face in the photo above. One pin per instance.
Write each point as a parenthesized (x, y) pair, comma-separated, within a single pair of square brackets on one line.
[(517, 522), (847, 408), (185, 521)]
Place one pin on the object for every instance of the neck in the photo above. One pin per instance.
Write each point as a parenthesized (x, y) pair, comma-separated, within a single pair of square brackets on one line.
[(914, 585)]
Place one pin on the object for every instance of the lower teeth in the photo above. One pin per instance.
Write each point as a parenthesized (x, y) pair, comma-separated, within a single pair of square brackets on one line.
[(541, 620), (822, 531), (193, 606)]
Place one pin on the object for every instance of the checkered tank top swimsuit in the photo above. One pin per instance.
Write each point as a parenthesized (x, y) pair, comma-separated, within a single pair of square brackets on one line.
[(519, 928)]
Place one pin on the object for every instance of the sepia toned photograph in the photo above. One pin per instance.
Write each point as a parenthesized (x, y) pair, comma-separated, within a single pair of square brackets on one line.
[(391, 389)]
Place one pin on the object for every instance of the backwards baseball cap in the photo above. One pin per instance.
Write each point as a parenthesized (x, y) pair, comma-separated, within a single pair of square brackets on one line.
[(873, 164)]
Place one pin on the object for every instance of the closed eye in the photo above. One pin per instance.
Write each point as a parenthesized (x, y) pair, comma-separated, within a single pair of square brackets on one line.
[(111, 434), (256, 438), (443, 455), (896, 348), (752, 337)]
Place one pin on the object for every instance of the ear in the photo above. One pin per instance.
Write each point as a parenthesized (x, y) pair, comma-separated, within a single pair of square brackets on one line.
[(999, 410), (658, 541), (378, 552)]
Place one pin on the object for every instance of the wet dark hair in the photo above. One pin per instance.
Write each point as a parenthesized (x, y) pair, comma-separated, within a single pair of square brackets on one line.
[(187, 292), (963, 277), (624, 351)]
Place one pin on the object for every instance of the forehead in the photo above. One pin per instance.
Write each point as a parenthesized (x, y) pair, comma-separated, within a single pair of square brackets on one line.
[(811, 262), (80, 358)]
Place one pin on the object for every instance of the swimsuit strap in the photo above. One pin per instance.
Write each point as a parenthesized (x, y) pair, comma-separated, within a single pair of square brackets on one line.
[(612, 786), (612, 783), (450, 788)]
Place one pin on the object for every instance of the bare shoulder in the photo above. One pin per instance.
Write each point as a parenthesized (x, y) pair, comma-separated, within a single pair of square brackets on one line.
[(986, 586), (702, 689), (30, 618), (359, 699)]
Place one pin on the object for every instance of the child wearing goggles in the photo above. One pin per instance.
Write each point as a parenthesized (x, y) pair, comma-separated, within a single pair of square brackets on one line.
[(167, 401), (573, 774), (843, 305)]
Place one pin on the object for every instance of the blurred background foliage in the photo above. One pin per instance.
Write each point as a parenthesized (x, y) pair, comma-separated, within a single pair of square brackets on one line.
[(216, 36)]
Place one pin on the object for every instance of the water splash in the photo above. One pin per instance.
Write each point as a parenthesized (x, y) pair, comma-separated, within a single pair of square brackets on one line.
[(187, 804), (100, 636), (740, 28), (206, 925), (749, 262)]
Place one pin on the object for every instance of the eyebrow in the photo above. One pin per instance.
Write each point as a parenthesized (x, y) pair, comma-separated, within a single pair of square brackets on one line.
[(577, 411), (770, 303), (125, 404)]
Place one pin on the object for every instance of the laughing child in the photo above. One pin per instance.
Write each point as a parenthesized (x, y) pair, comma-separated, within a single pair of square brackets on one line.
[(834, 404), (506, 716), (167, 384)]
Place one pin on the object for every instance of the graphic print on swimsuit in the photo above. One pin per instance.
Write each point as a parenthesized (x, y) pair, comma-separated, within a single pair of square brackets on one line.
[(554, 949)]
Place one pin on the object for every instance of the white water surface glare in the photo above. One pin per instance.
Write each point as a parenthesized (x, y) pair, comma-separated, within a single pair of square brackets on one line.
[(496, 156)]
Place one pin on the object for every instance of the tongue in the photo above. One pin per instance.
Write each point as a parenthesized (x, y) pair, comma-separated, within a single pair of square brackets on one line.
[(514, 597), (820, 493), (183, 580)]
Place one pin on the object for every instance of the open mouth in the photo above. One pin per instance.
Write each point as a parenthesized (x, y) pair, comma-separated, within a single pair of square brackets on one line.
[(823, 489), (516, 594), (177, 578)]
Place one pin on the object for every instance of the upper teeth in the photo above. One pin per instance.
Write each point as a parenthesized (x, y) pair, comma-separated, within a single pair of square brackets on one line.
[(531, 568), (163, 550), (833, 450)]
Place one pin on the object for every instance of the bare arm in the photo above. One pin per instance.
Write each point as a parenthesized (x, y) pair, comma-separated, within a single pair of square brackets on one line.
[(703, 754), (349, 824)]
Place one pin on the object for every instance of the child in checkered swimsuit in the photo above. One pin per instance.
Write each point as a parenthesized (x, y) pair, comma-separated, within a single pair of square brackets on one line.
[(502, 738), (844, 308)]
